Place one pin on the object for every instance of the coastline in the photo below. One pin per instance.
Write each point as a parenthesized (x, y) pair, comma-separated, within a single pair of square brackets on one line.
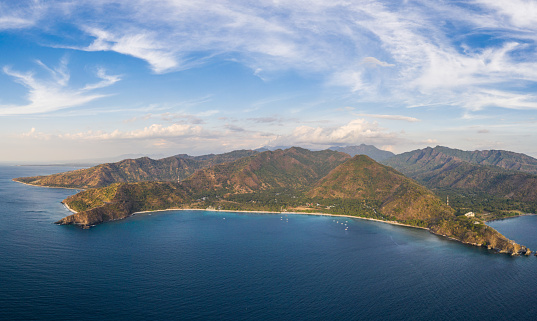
[(70, 209), (80, 189), (332, 215), (284, 213), (510, 217)]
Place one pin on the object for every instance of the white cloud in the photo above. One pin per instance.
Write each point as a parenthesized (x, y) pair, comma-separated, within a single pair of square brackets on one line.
[(21, 15), (150, 132), (14, 23), (497, 98), (391, 117), (355, 132), (143, 45), (430, 141), (34, 134), (519, 13), (372, 61), (47, 95), (337, 39)]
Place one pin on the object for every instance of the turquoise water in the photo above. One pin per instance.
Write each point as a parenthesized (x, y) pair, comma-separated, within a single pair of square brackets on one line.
[(214, 265)]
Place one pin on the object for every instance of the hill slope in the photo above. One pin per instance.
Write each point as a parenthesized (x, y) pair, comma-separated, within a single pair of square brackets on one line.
[(294, 168), (500, 158), (291, 180), (398, 197), (469, 185), (142, 169)]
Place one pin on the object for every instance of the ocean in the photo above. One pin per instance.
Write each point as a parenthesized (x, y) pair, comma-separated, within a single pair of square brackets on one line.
[(198, 265)]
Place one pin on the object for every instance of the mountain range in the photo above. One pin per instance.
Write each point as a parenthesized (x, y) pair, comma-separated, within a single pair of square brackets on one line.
[(169, 169), (378, 155), (477, 181), (405, 190), (142, 169)]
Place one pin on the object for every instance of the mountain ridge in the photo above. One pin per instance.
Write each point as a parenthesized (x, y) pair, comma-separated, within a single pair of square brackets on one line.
[(171, 168), (369, 150), (303, 183), (459, 178)]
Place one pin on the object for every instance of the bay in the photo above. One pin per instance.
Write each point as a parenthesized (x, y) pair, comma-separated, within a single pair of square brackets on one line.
[(198, 265)]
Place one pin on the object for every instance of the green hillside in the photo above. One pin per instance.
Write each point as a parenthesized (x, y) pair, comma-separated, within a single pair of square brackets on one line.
[(399, 198), (470, 186), (135, 170), (294, 180)]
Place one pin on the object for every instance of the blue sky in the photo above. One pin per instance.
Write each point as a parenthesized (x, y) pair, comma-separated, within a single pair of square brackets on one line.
[(96, 79)]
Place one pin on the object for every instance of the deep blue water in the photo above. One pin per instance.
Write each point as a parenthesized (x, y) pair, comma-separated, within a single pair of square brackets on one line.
[(212, 265)]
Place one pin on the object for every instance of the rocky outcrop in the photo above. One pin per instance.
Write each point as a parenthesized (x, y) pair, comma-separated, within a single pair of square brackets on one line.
[(101, 214), (474, 232)]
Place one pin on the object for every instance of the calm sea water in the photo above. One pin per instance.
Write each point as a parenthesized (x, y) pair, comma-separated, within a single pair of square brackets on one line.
[(220, 266)]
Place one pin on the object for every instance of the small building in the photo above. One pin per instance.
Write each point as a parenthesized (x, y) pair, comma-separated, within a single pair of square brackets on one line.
[(469, 214)]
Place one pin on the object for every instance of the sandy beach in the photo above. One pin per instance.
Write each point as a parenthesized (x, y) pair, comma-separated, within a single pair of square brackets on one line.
[(70, 209), (282, 213)]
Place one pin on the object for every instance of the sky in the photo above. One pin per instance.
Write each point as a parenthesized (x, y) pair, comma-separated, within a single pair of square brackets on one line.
[(94, 79)]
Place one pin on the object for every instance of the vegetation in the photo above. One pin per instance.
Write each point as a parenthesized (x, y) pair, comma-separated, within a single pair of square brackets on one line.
[(470, 185), (474, 231), (171, 169), (292, 180)]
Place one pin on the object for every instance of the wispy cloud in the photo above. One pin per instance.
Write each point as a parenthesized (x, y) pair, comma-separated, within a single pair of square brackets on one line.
[(410, 44), (142, 44), (22, 15), (372, 61), (355, 132), (390, 117), (54, 93), (149, 132), (517, 13)]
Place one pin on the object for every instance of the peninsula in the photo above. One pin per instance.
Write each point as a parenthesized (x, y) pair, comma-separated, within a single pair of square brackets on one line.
[(292, 180)]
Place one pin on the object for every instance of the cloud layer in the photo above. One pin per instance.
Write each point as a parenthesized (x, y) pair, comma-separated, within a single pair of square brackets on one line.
[(412, 42), (53, 93)]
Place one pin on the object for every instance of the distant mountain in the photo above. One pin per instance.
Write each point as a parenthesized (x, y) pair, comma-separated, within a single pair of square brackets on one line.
[(368, 150), (469, 183), (294, 180), (501, 158), (142, 169), (295, 168)]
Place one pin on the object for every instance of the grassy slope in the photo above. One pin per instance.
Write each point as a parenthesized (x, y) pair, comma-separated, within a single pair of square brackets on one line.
[(399, 197), (469, 186), (134, 170), (360, 180)]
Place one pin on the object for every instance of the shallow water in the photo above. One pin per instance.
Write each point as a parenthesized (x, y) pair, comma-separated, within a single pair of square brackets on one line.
[(217, 265)]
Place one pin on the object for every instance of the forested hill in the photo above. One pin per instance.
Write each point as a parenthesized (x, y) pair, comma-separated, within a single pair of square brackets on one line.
[(292, 180), (294, 168), (172, 168), (470, 185), (500, 158), (397, 196)]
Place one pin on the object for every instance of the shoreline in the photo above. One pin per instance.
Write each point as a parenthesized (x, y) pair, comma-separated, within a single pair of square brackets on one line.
[(510, 217), (292, 213), (14, 180), (70, 209)]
